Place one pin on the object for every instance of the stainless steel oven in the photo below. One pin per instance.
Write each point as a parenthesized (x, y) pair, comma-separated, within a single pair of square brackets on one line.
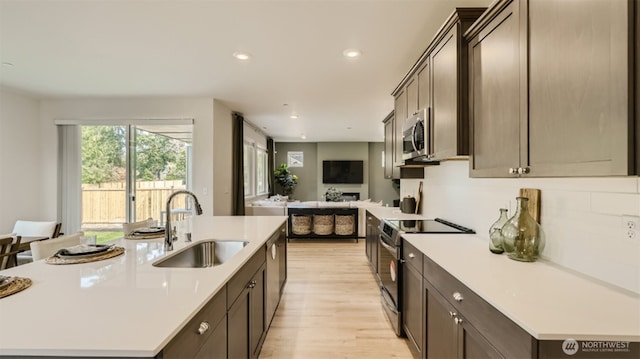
[(390, 273), (390, 260)]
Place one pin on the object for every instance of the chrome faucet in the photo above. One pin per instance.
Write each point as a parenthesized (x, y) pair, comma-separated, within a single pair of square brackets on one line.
[(169, 236)]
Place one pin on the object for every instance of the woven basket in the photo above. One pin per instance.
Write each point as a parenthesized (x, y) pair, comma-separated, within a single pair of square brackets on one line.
[(323, 224), (344, 224), (301, 224)]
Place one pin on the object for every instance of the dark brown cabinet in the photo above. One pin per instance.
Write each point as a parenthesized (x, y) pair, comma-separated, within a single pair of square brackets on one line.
[(246, 324), (276, 267), (205, 335), (460, 324), (438, 82), (551, 89), (371, 242), (390, 171), (412, 300), (399, 118)]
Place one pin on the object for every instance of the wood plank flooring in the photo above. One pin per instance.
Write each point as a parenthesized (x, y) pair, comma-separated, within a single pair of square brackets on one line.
[(331, 307)]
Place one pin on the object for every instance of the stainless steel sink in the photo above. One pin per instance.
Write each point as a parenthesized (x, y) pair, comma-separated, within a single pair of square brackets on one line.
[(203, 254)]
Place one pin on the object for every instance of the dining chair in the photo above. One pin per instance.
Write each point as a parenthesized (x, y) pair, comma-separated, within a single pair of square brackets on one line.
[(49, 229), (8, 249), (44, 249), (127, 228)]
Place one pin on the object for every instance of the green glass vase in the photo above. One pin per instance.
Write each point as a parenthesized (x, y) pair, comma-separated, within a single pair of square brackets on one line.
[(495, 233), (523, 238)]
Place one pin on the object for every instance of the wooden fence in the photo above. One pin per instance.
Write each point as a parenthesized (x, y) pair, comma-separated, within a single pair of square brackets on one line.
[(104, 205)]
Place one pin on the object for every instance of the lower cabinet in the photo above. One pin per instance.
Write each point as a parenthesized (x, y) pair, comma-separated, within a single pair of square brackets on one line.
[(412, 302), (246, 324), (460, 324), (449, 335), (205, 336)]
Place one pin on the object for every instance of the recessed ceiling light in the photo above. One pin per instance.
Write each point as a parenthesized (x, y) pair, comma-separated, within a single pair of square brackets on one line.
[(348, 128), (242, 56), (293, 116), (303, 136), (351, 53)]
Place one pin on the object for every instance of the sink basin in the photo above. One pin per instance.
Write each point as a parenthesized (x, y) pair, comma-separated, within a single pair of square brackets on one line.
[(203, 254)]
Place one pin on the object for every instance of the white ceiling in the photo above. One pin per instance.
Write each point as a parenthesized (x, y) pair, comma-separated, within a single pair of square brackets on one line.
[(72, 49)]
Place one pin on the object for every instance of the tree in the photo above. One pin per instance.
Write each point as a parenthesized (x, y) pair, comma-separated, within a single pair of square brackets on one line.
[(103, 153)]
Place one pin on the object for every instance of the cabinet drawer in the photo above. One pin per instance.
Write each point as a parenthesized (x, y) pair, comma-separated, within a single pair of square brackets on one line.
[(241, 279), (509, 338), (188, 342), (412, 256)]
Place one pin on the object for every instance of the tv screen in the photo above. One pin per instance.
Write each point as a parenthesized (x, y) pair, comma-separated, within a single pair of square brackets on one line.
[(342, 172)]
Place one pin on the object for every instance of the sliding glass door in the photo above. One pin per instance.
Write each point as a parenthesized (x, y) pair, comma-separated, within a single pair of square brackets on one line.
[(129, 171)]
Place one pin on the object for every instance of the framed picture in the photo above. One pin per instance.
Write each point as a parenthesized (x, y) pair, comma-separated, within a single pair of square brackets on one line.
[(295, 159)]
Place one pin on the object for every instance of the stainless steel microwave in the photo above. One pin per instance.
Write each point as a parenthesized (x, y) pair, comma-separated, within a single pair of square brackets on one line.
[(415, 136)]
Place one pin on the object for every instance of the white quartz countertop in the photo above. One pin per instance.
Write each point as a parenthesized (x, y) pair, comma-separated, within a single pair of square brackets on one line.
[(391, 213), (549, 302), (121, 306)]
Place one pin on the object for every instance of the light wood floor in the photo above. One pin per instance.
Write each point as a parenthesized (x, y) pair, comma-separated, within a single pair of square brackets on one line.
[(331, 307)]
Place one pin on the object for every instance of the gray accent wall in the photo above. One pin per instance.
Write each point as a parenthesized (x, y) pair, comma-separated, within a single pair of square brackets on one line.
[(310, 186)]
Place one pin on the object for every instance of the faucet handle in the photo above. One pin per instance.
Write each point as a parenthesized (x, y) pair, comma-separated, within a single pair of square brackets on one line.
[(174, 237), (187, 237)]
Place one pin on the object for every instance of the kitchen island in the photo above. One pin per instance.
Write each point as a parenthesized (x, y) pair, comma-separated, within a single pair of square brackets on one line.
[(123, 306)]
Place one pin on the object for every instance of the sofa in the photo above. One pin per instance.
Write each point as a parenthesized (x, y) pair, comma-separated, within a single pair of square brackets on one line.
[(278, 205)]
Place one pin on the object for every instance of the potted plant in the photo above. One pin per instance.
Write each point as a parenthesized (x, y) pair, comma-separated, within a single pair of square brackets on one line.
[(333, 195), (285, 179)]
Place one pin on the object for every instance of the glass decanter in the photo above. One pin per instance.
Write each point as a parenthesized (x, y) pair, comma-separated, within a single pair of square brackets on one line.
[(495, 233), (523, 238)]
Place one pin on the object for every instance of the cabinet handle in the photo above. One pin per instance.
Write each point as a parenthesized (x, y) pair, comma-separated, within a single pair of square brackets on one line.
[(452, 314), (411, 255), (252, 284), (457, 320), (457, 297), (282, 230), (513, 171), (204, 326), (523, 170)]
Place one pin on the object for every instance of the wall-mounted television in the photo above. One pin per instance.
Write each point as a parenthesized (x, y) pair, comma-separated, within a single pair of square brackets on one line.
[(342, 171)]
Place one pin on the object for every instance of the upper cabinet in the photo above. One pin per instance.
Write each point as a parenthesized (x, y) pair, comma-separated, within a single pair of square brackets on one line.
[(551, 89), (438, 82), (389, 168)]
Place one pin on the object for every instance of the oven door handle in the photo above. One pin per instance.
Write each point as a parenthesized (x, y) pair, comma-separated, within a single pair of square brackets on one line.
[(388, 247), (387, 301)]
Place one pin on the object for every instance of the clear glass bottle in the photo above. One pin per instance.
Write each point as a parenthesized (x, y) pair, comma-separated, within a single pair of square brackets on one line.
[(495, 233), (523, 238)]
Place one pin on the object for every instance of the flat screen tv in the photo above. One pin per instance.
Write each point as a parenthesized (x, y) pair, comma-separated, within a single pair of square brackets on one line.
[(342, 172)]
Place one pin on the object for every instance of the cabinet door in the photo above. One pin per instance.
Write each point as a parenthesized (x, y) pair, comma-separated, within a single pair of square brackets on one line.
[(444, 113), (389, 149), (579, 117), (442, 337), (238, 326), (474, 345), (424, 85), (412, 306), (216, 345), (494, 80), (257, 327), (400, 118), (412, 96)]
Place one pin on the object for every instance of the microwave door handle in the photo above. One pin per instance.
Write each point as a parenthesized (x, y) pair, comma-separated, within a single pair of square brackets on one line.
[(413, 137), (429, 148)]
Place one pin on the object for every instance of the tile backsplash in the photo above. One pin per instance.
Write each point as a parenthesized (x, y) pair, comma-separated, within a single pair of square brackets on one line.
[(582, 217)]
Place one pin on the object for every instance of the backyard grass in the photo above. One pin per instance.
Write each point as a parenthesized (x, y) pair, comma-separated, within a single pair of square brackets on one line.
[(103, 236)]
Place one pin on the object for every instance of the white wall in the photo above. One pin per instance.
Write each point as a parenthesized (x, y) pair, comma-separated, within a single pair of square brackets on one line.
[(200, 109), (22, 175), (581, 217), (222, 159)]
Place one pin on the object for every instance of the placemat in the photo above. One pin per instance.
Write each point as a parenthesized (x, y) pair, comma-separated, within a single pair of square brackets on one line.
[(112, 252), (18, 284), (144, 236)]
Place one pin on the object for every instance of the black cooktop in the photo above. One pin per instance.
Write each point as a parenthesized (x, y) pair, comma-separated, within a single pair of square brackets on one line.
[(437, 225)]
